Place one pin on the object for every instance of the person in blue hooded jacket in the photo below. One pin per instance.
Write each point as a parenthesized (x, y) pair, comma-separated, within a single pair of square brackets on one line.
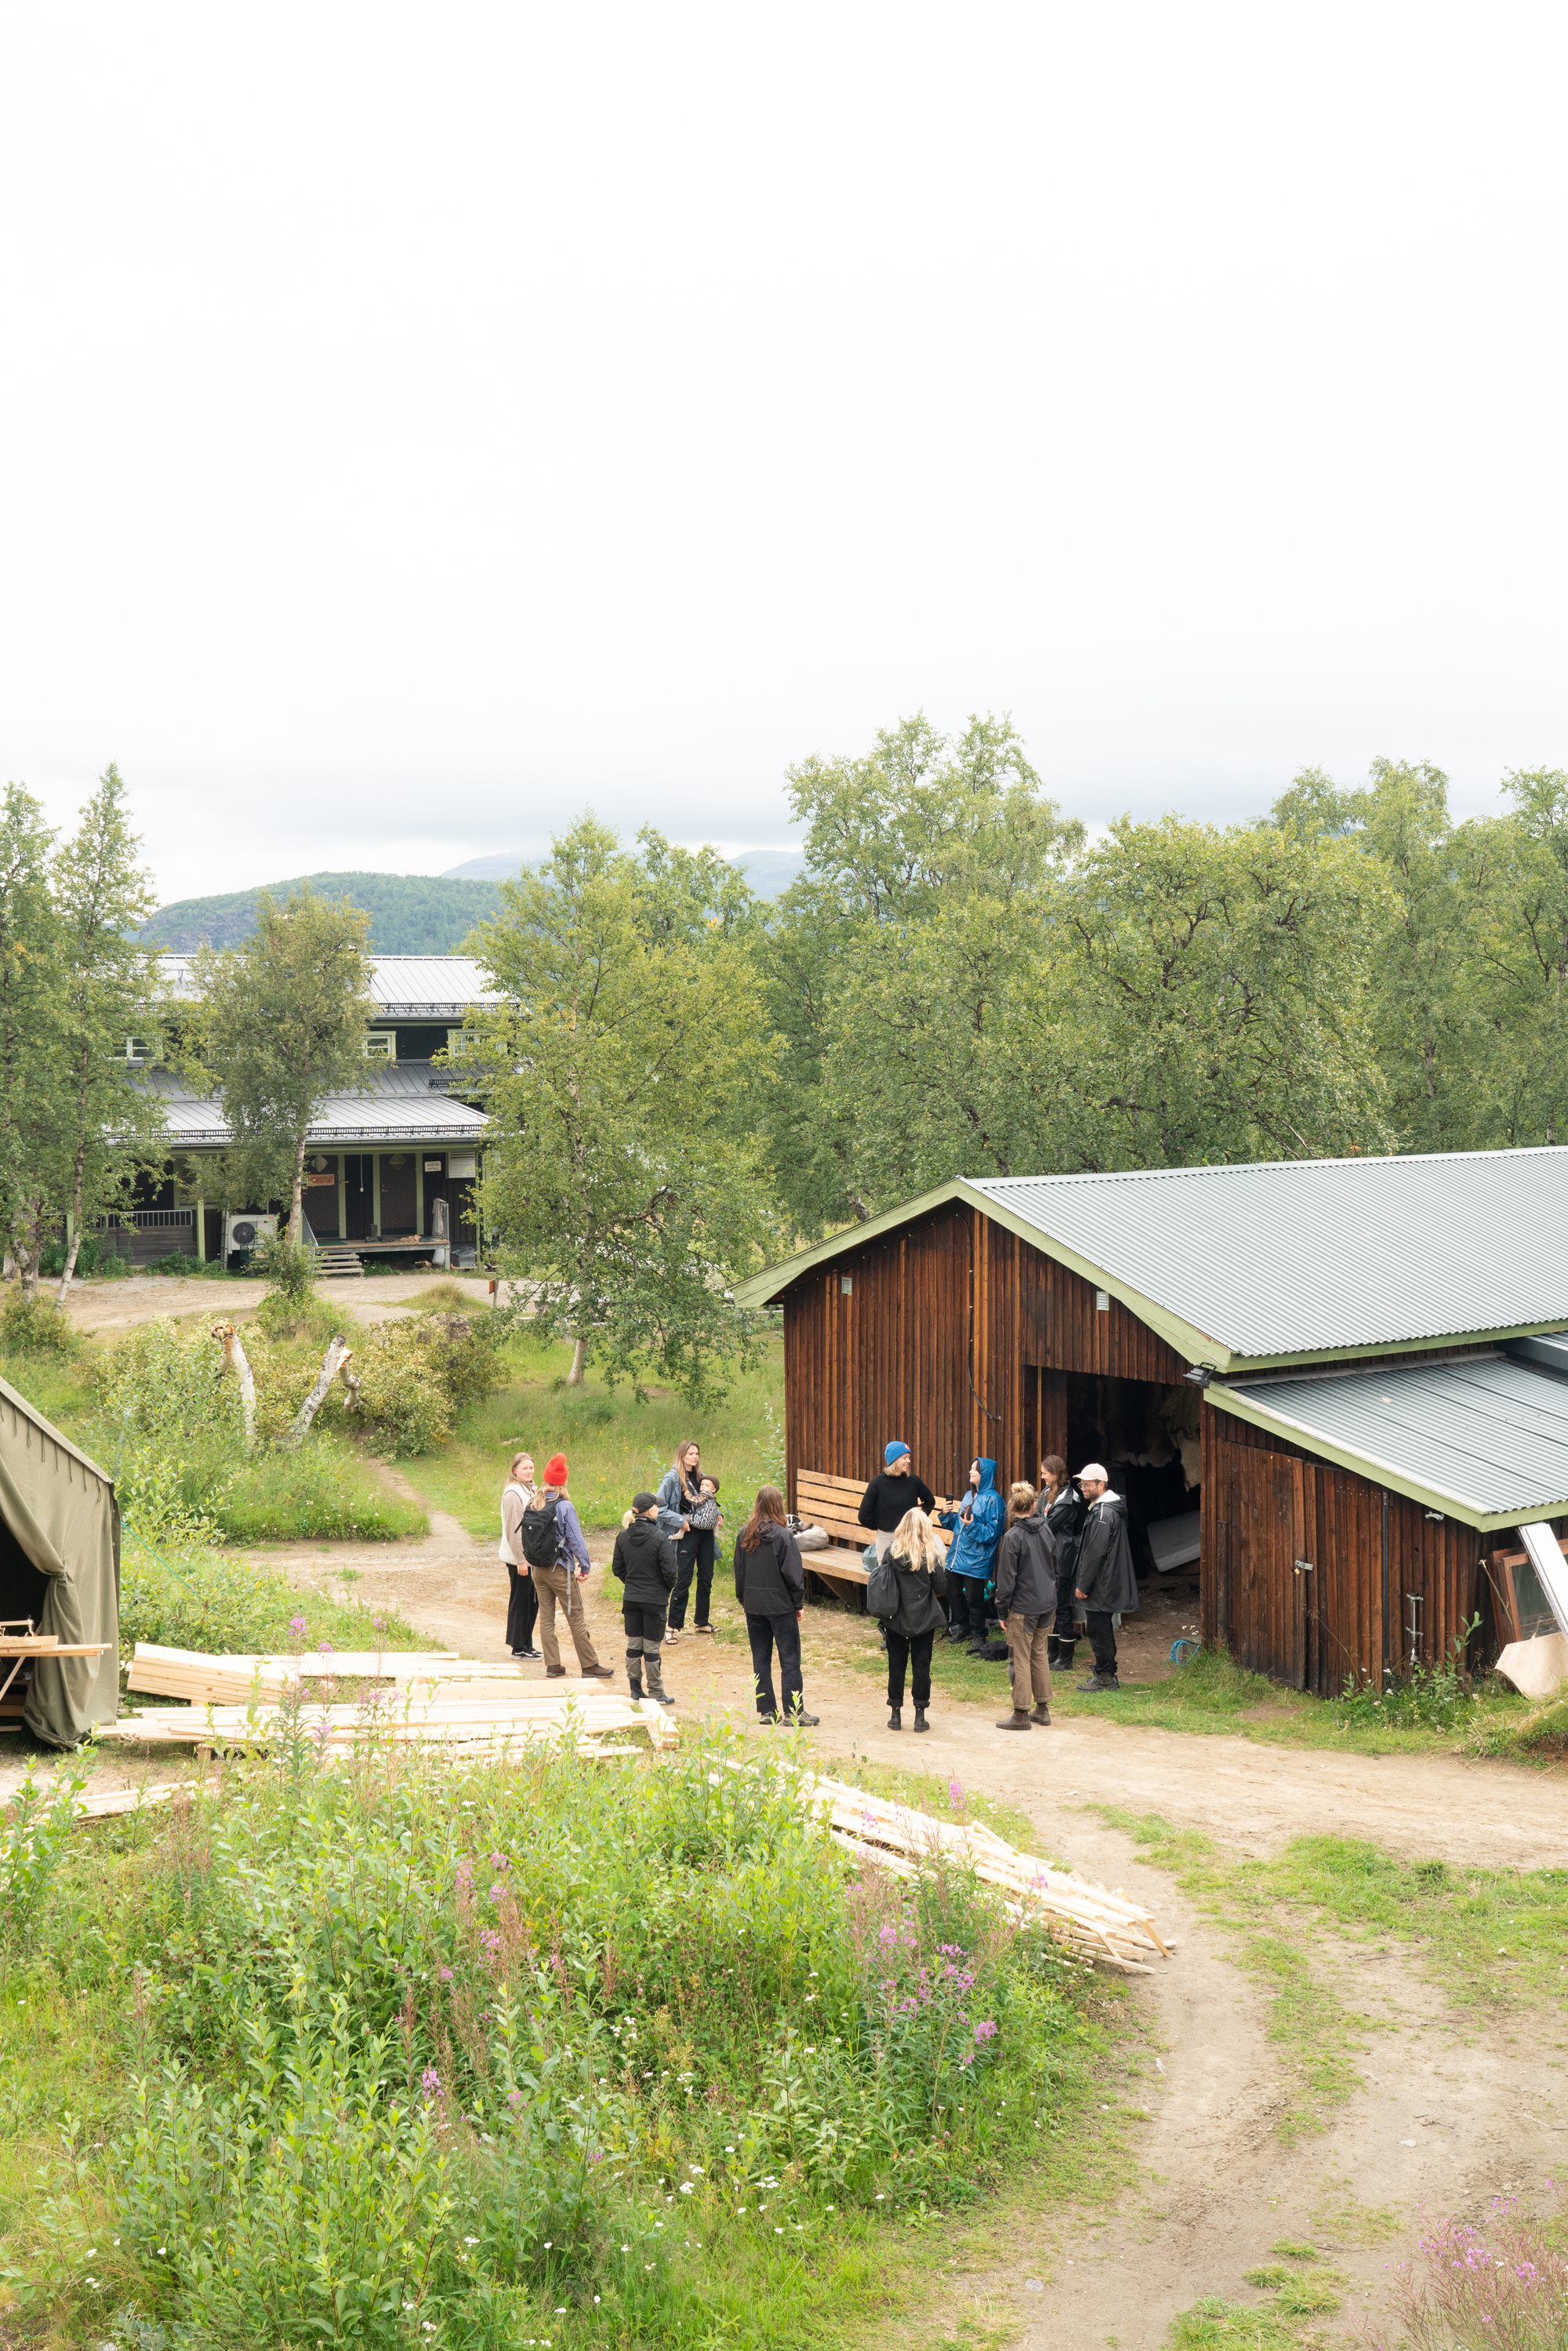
[(976, 1527)]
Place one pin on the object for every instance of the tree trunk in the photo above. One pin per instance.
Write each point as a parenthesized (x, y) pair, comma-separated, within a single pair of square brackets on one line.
[(32, 1250), (237, 1360), (578, 1362), (297, 1198), (332, 1363), (63, 1292)]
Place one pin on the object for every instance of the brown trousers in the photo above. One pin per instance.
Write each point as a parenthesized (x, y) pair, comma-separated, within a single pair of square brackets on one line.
[(553, 1584), (1027, 1667)]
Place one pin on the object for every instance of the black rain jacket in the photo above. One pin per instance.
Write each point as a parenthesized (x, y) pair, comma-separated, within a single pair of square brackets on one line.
[(1104, 1574), (770, 1579), (1026, 1568), (645, 1560)]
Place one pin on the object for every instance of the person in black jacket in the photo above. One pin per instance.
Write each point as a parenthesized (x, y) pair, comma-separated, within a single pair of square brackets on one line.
[(1105, 1581), (916, 1555), (1026, 1603), (891, 1494), (645, 1560), (771, 1585), (1065, 1511)]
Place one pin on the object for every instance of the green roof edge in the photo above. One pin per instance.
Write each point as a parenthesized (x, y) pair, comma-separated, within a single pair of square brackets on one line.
[(1377, 1471)]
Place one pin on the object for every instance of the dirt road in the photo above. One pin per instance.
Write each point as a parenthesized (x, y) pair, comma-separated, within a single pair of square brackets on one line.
[(106, 1308), (1448, 2116)]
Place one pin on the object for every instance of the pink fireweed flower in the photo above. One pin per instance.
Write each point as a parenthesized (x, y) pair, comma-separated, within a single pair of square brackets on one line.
[(430, 2082), (985, 2030)]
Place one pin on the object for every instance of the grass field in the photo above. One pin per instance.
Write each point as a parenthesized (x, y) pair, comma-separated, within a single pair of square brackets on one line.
[(613, 1444)]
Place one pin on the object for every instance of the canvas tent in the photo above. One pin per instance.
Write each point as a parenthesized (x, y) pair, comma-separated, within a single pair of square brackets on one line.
[(59, 1563)]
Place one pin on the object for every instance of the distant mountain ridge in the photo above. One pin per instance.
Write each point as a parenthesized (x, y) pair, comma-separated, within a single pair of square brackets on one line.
[(410, 914)]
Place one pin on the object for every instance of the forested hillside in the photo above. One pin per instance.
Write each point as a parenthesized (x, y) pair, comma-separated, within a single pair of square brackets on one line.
[(410, 914)]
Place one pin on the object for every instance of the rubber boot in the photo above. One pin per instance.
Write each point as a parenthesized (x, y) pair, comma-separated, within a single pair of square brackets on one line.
[(1041, 1714), (655, 1665), (1052, 1650), (635, 1671), (895, 1717), (1017, 1720), (1063, 1656), (920, 1721), (636, 1688)]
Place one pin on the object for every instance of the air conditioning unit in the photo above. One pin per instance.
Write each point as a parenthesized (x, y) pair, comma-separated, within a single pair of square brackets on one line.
[(244, 1230)]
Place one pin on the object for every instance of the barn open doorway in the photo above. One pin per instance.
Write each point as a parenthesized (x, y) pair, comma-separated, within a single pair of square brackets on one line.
[(1148, 1434)]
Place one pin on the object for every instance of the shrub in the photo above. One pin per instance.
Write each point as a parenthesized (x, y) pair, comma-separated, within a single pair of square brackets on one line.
[(1506, 2283), (89, 1256), (180, 1264), (35, 1326), (286, 1269), (447, 2058), (191, 1599)]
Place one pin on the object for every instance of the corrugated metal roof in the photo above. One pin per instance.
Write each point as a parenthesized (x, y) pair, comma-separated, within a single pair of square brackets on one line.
[(418, 986), (1302, 1257), (397, 1103), (1481, 1438)]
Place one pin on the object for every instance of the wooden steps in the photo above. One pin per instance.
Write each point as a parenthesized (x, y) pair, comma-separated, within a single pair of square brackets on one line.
[(339, 1261)]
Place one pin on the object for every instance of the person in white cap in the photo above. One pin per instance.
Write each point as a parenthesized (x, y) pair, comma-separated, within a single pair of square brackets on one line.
[(1106, 1583)]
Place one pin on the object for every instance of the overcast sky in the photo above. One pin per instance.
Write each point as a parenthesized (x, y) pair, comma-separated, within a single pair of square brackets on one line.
[(421, 424)]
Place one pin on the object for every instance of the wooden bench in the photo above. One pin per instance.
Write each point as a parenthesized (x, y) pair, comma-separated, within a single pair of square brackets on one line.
[(833, 1504)]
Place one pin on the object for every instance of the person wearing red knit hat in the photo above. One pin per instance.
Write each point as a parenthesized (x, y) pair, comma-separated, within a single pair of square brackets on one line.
[(552, 1542)]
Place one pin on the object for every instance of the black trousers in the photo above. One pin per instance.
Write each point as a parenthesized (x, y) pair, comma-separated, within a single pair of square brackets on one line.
[(966, 1605), (1103, 1640), (1063, 1630), (901, 1653), (694, 1550), (782, 1632), (522, 1609)]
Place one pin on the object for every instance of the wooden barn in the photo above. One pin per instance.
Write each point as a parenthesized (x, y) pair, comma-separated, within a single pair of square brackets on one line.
[(1334, 1378)]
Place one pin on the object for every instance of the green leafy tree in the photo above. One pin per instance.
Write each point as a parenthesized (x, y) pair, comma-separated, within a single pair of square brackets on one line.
[(111, 1124), (1520, 967), (1427, 1020), (614, 1177), (279, 1025), (927, 878), (35, 1048), (1218, 1009)]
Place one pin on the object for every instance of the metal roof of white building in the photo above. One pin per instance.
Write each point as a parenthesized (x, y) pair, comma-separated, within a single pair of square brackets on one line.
[(1266, 1261), (1481, 1438), (417, 988), (396, 1104)]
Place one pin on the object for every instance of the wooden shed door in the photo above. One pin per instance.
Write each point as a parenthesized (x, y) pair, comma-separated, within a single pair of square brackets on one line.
[(1271, 1504)]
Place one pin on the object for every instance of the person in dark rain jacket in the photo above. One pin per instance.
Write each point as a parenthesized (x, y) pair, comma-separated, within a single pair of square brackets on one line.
[(1065, 1511), (914, 1550), (771, 1585), (1106, 1580), (972, 1559)]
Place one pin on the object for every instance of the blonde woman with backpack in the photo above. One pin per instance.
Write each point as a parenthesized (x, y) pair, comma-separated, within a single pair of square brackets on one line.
[(518, 1495)]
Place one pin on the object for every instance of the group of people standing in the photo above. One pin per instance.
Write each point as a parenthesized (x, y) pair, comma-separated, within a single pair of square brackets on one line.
[(1042, 1561), (667, 1541)]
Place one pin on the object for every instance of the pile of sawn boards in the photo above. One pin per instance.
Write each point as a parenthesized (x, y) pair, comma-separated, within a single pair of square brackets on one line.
[(436, 1698), (1105, 1928)]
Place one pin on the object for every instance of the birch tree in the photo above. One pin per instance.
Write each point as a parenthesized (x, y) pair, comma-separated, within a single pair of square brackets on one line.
[(279, 1025), (616, 1179)]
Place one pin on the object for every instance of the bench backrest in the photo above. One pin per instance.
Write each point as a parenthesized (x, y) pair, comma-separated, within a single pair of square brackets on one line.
[(832, 1504)]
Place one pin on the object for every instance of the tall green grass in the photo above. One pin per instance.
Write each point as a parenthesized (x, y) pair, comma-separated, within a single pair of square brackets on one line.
[(613, 1445), (546, 2051)]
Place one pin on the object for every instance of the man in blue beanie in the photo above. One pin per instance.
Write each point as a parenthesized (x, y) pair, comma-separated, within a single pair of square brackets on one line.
[(893, 1490)]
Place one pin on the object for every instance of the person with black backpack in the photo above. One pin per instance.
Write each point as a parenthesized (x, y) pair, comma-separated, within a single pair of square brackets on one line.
[(552, 1542)]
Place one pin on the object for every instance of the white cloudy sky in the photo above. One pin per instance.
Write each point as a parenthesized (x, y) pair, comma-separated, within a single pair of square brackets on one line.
[(417, 424)]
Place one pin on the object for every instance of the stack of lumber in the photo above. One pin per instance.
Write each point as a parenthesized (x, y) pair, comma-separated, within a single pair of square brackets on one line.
[(468, 1706), (230, 1680), (1105, 1927), (106, 1803)]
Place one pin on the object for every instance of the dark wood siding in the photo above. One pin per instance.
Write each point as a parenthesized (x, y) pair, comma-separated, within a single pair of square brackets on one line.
[(941, 1339), (1345, 1618)]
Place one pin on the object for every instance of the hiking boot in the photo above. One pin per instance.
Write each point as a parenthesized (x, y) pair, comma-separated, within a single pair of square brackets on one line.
[(1017, 1720), (953, 1634), (555, 1673), (598, 1674), (1100, 1682), (804, 1722), (1041, 1714), (895, 1717), (920, 1721)]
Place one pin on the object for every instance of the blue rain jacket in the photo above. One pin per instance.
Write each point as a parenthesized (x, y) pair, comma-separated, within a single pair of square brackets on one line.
[(974, 1547)]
